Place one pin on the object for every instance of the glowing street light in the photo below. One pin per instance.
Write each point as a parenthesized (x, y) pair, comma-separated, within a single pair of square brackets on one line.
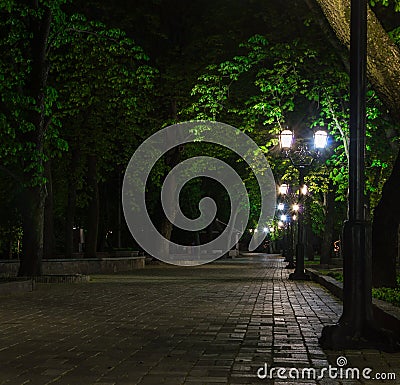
[(286, 138), (281, 206), (320, 139), (283, 189), (301, 154)]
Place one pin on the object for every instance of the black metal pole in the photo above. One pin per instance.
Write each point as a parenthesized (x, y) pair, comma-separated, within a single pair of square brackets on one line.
[(356, 328), (357, 301), (291, 264), (299, 273), (284, 243)]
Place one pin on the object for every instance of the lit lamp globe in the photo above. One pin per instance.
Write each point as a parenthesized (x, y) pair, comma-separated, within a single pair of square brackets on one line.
[(304, 189), (283, 189), (320, 139), (286, 139)]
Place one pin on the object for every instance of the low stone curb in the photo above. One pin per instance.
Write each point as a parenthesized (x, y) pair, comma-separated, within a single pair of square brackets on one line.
[(17, 286), (62, 278), (386, 314), (84, 266)]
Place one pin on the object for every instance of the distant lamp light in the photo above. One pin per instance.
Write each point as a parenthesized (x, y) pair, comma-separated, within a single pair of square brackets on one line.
[(271, 230), (295, 207), (320, 139), (256, 230), (283, 189), (250, 230), (266, 230), (280, 224), (281, 206), (304, 189), (294, 217), (286, 139), (283, 217)]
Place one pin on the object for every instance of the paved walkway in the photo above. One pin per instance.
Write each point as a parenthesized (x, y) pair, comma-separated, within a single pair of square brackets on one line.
[(215, 324)]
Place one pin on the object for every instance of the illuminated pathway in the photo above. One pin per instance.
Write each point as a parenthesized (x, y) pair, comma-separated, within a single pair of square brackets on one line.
[(215, 324)]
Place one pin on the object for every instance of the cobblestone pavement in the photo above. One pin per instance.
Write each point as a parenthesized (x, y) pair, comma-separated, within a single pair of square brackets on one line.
[(215, 324)]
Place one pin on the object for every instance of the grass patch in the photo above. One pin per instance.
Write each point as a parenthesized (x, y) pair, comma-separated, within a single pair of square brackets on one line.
[(316, 261), (388, 294), (391, 295), (336, 275)]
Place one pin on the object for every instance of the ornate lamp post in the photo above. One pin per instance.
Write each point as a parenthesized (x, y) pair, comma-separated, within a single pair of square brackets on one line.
[(356, 327), (301, 154), (285, 210)]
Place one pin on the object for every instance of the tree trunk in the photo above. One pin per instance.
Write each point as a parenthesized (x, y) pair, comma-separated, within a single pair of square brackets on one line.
[(309, 238), (385, 232), (93, 209), (103, 227), (172, 159), (71, 204), (32, 226), (383, 68), (327, 238), (49, 238), (35, 193)]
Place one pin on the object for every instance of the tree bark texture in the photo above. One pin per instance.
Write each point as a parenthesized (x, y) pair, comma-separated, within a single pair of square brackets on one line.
[(35, 196), (71, 204), (385, 232), (49, 237), (383, 64), (93, 209), (32, 226)]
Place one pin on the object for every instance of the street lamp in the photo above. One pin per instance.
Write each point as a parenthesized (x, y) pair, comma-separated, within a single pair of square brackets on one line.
[(320, 139), (301, 155), (283, 189), (285, 217), (286, 138)]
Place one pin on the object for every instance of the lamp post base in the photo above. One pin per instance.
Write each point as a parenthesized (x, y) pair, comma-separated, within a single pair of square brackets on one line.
[(299, 276), (343, 336), (290, 265)]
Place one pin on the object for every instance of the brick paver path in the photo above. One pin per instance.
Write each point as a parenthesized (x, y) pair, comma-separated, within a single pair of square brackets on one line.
[(215, 324)]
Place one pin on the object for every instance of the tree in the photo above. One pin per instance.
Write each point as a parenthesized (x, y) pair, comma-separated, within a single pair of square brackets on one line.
[(104, 86), (39, 41), (383, 68), (25, 113)]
